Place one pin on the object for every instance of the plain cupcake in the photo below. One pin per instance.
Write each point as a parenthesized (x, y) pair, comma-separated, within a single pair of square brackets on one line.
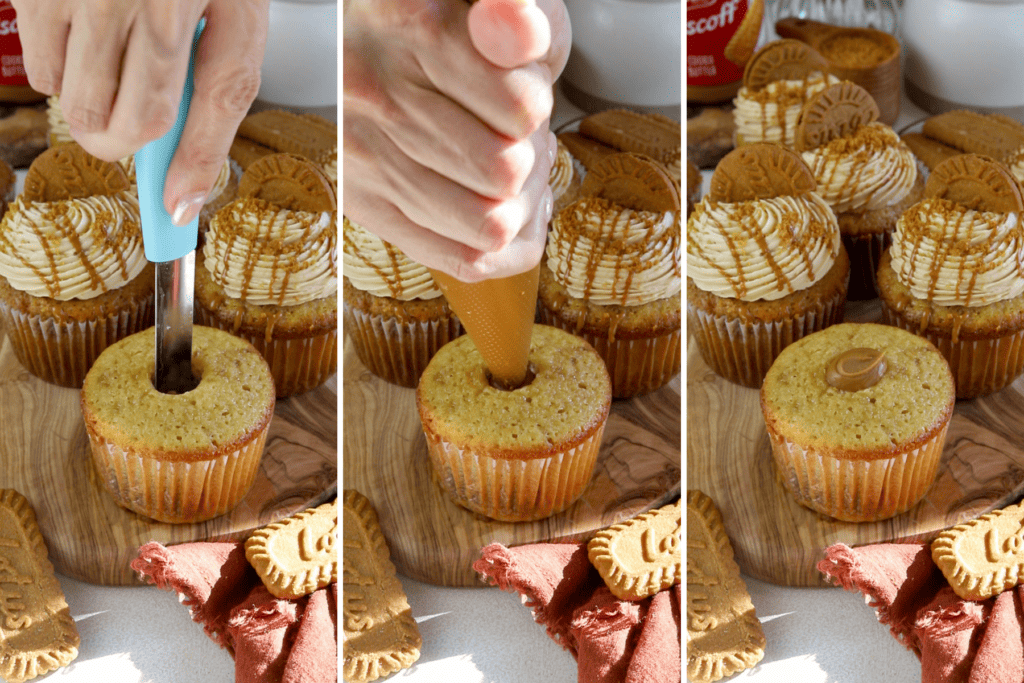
[(516, 455), (178, 457), (612, 274), (845, 439), (394, 313), (954, 275), (269, 270), (777, 81), (864, 171), (765, 262), (73, 275)]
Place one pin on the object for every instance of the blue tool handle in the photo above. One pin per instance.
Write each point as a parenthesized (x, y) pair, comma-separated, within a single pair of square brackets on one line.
[(161, 239)]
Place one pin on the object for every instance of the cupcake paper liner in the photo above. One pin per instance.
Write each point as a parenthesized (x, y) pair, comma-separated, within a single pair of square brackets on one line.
[(636, 366), (517, 490), (857, 490), (177, 492), (742, 352), (397, 351), (297, 365), (980, 366), (62, 352)]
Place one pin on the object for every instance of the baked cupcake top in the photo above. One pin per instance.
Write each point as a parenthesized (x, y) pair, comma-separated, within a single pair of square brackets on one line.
[(770, 114), (457, 402), (613, 255), (951, 255), (375, 266), (72, 249), (761, 249), (267, 255), (844, 390)]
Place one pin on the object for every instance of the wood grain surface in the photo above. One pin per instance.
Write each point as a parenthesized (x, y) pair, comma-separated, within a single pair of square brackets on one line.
[(384, 457), (779, 541), (44, 455)]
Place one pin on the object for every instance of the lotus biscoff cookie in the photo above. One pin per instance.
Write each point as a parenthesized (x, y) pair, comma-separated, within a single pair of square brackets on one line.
[(297, 555), (985, 556), (641, 556), (380, 633), (723, 634), (37, 632)]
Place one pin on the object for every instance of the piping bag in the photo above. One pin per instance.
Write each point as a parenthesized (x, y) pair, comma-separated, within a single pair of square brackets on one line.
[(172, 249)]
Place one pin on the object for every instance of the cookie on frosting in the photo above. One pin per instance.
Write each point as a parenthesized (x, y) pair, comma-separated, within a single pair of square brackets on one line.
[(835, 112), (760, 171), (976, 182), (782, 60)]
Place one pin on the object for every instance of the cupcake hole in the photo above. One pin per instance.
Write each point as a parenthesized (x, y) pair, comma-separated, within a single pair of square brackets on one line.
[(531, 374), (175, 383)]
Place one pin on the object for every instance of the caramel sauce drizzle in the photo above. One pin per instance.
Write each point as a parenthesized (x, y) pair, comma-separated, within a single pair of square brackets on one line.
[(56, 226), (389, 275)]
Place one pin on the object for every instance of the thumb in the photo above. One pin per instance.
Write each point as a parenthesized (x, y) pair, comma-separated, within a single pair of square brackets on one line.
[(509, 33)]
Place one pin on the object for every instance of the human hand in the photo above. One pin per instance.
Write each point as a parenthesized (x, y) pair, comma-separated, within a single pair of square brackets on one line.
[(120, 69), (447, 143)]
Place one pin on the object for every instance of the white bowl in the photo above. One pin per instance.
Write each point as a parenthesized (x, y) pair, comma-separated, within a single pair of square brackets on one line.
[(964, 54), (625, 53), (300, 64)]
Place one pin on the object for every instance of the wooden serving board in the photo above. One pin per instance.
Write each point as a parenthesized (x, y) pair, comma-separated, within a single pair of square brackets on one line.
[(432, 539), (777, 540), (44, 454)]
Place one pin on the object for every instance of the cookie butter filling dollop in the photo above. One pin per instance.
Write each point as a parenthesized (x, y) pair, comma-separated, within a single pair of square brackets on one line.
[(762, 249), (950, 255), (611, 255), (71, 249), (770, 114), (375, 266), (855, 369), (266, 255), (872, 169)]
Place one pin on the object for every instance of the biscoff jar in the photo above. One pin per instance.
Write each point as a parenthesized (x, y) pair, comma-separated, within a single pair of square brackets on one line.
[(721, 36), (14, 87)]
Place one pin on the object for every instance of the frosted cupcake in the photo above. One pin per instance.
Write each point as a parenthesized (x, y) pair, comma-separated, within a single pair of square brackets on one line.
[(845, 438), (765, 263), (777, 81), (515, 455), (269, 270), (612, 272), (563, 179), (865, 172), (954, 273), (394, 313), (74, 275)]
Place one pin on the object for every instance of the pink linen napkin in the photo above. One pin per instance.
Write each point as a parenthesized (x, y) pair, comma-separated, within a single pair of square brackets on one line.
[(613, 641), (272, 640)]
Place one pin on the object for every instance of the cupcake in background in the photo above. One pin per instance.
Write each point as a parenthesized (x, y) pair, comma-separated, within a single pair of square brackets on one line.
[(954, 274), (612, 271), (563, 179), (269, 270), (777, 81), (765, 262), (393, 311), (74, 274), (845, 439), (863, 170)]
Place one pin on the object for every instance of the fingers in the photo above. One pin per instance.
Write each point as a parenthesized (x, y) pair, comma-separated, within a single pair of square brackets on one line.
[(92, 70), (509, 33), (227, 78), (43, 30)]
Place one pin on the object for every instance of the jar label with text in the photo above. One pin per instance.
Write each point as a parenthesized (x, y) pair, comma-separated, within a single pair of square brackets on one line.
[(721, 36), (12, 66)]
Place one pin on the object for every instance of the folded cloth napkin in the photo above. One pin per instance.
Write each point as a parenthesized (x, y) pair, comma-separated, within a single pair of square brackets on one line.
[(955, 639), (272, 640), (613, 641)]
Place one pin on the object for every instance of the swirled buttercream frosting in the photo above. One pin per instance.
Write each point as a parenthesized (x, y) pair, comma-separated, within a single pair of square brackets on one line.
[(770, 114), (950, 255), (266, 255), (72, 249), (612, 255), (562, 172), (378, 267), (763, 249), (869, 170)]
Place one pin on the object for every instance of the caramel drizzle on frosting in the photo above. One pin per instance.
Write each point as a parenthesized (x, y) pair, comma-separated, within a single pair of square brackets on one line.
[(787, 96), (56, 225), (388, 275)]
